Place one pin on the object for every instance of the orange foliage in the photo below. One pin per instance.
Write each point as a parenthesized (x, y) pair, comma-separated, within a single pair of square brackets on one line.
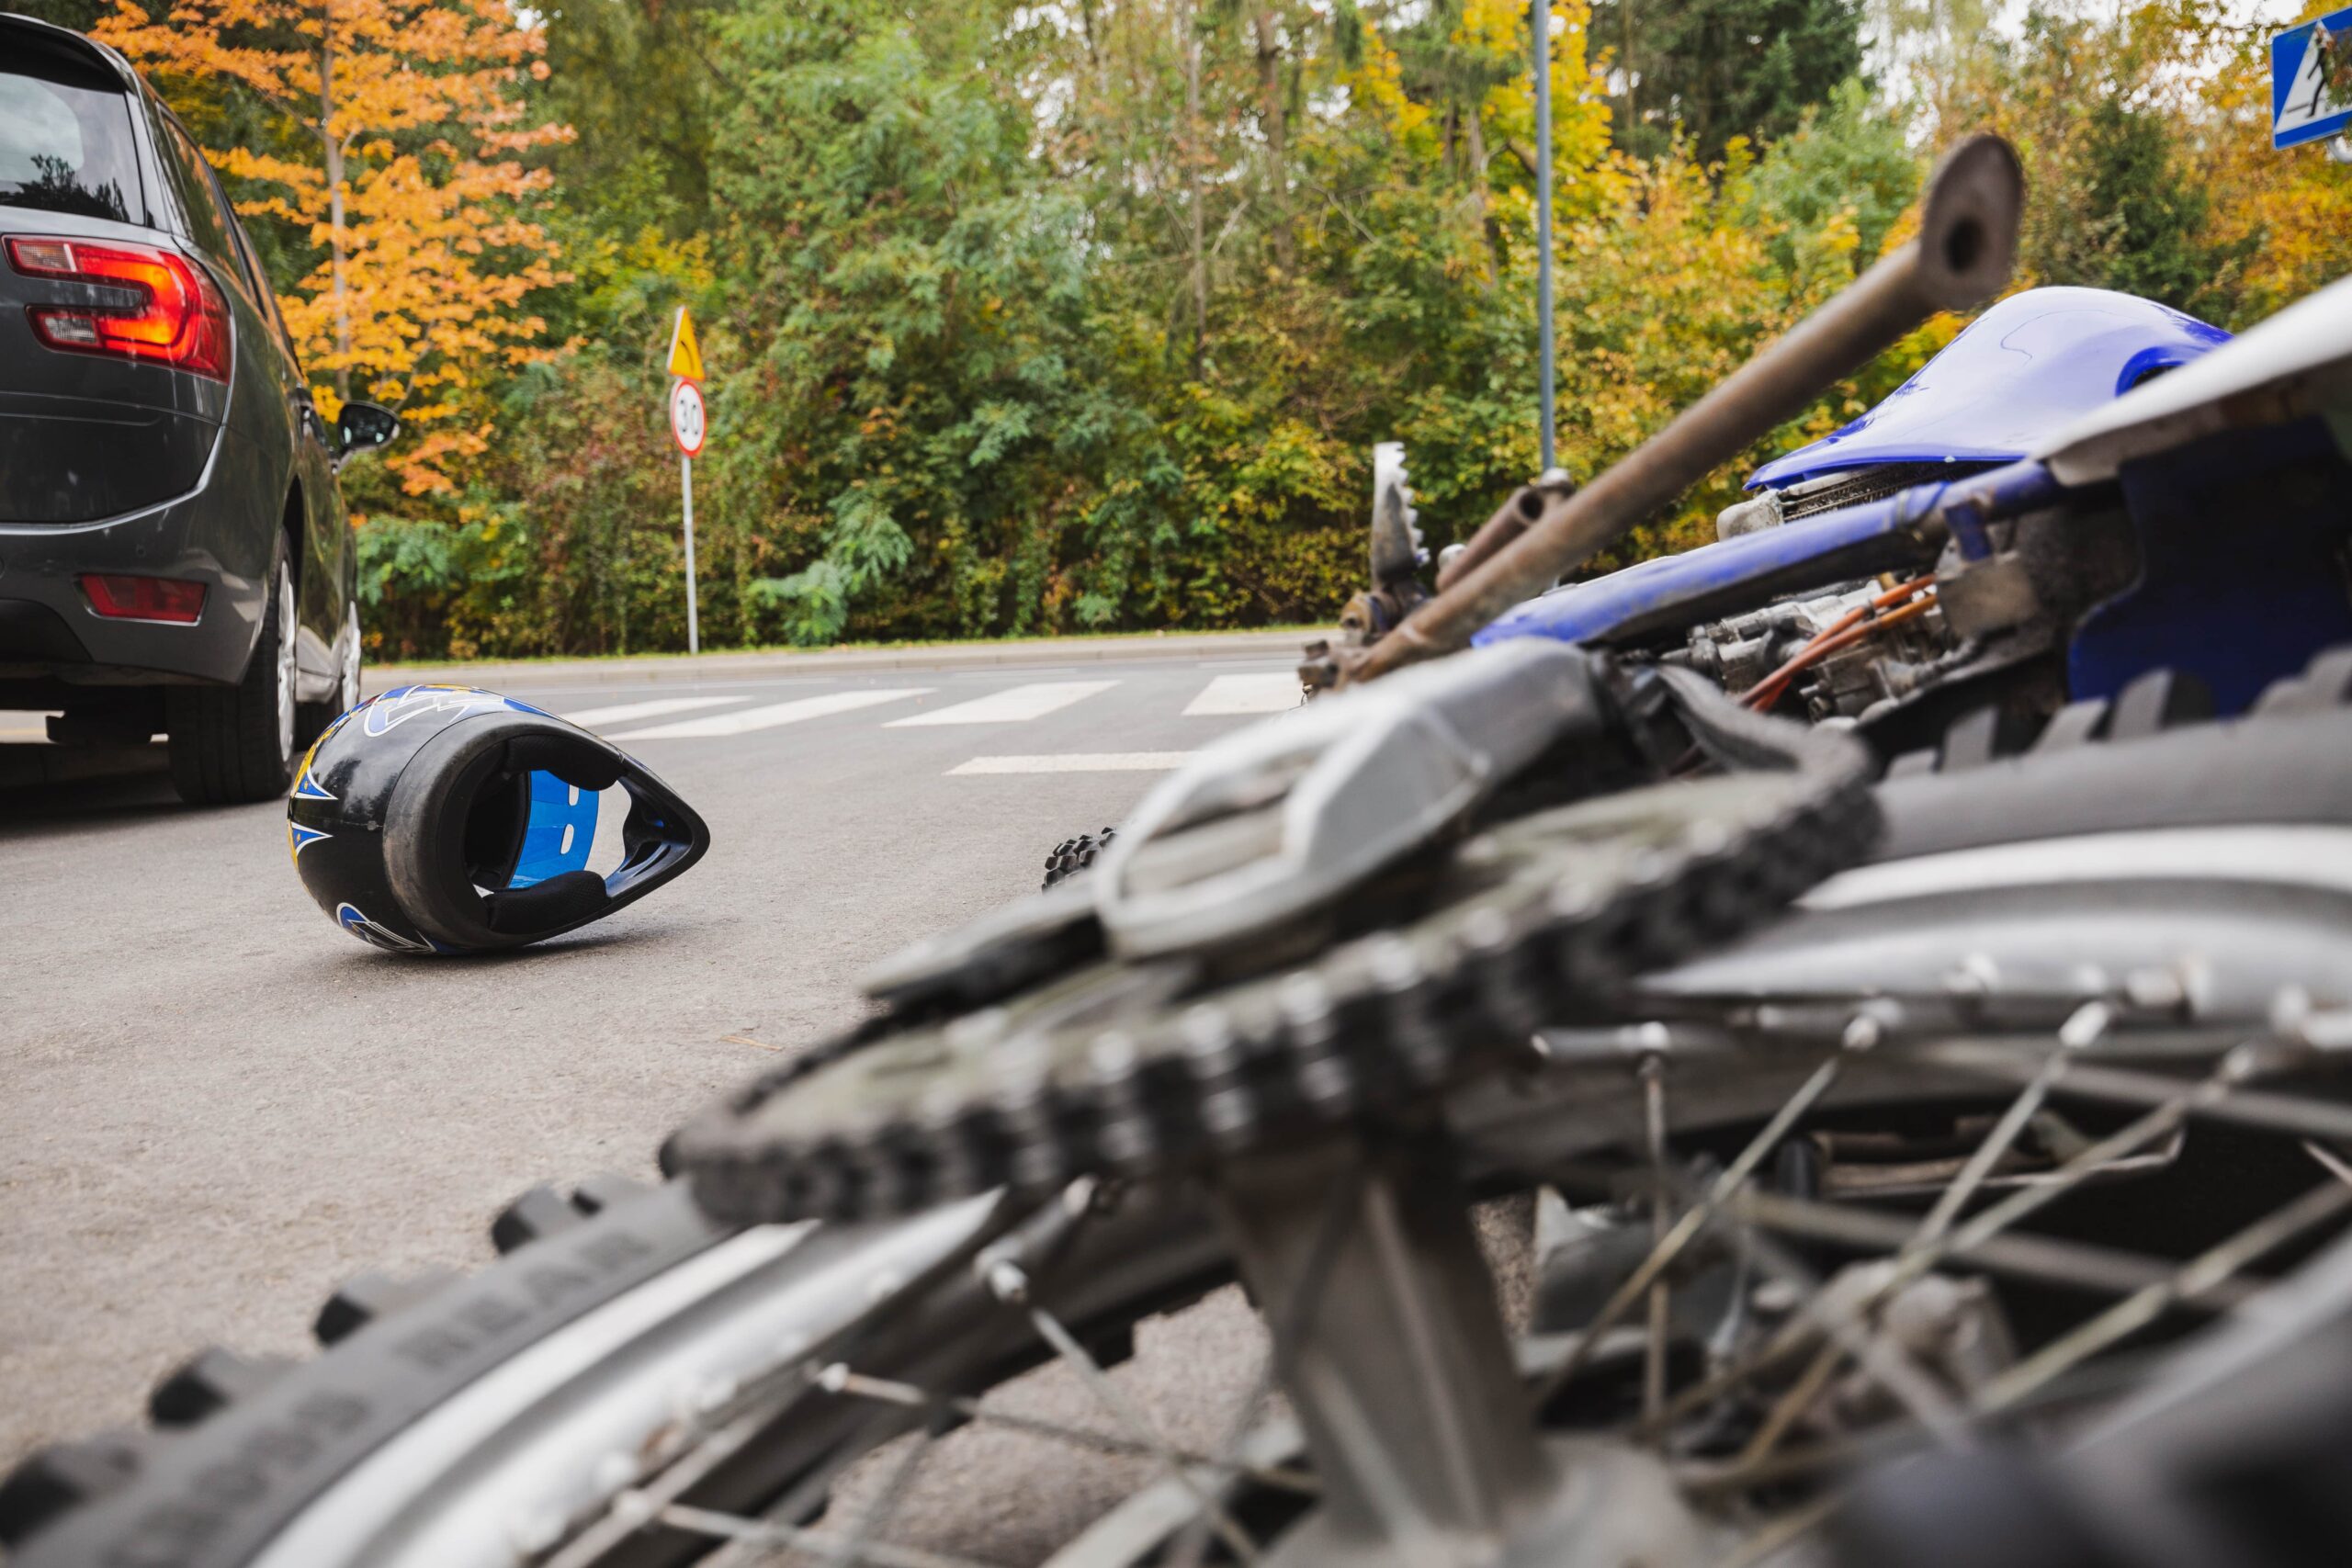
[(409, 131), (2296, 206)]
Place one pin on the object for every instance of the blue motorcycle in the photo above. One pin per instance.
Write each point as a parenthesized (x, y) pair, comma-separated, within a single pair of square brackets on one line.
[(1974, 547), (1917, 1038)]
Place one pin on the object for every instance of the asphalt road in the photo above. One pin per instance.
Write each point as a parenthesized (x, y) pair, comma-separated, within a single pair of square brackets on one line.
[(214, 1105)]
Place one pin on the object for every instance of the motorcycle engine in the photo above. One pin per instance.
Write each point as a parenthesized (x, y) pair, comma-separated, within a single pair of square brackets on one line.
[(1739, 652)]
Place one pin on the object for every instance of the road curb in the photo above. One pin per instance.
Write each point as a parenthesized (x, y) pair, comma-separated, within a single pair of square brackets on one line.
[(721, 666)]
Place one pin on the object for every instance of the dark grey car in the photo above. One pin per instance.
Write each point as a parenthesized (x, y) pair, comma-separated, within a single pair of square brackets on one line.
[(174, 555)]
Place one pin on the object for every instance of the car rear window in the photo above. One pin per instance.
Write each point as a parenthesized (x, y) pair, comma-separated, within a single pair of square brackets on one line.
[(65, 140)]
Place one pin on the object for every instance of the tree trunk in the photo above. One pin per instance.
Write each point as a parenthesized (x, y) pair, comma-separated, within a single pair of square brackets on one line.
[(1093, 51), (1275, 113), (1194, 195), (1626, 60), (1474, 119), (334, 144)]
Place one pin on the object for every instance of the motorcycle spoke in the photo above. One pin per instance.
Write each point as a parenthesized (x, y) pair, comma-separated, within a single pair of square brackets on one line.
[(840, 1378), (1661, 1305), (851, 1550), (2265, 1111), (1694, 1220), (2089, 1381), (2007, 1131), (2234, 1068), (2083, 1028), (1783, 1531), (1990, 1225), (1886, 1361), (1007, 1282), (769, 1533), (713, 1448), (2212, 1268), (1791, 1404), (2083, 1266)]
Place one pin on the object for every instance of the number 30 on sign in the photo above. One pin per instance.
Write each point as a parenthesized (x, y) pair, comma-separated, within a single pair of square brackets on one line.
[(688, 423)]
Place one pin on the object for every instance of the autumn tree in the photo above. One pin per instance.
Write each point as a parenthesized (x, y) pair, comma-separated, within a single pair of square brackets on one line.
[(1717, 69), (2284, 218), (397, 148), (2115, 117), (1030, 318)]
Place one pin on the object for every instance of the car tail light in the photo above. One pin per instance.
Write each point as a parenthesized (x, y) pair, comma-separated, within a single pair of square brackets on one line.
[(123, 598), (171, 312)]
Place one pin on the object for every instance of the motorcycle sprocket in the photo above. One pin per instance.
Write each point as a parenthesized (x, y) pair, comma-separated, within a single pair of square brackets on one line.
[(1145, 1070)]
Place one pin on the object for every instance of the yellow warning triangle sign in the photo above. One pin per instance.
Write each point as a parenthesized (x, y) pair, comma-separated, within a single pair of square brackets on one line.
[(686, 354)]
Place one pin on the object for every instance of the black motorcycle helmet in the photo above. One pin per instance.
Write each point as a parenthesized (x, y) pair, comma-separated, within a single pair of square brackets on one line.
[(450, 819)]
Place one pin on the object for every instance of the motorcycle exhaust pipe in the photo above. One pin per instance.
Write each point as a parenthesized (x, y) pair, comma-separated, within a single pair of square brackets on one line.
[(1964, 252)]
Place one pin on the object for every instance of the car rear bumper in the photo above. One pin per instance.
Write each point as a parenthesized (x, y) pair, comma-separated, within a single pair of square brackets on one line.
[(50, 633)]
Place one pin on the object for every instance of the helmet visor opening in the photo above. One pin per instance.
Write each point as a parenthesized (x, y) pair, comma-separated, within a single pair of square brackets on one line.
[(528, 828)]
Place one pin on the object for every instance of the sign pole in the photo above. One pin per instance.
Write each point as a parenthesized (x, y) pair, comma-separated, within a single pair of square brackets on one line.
[(687, 491), (1542, 27), (689, 426)]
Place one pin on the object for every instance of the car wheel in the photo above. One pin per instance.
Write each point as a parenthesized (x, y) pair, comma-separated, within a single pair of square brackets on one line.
[(236, 743), (316, 717), (347, 690)]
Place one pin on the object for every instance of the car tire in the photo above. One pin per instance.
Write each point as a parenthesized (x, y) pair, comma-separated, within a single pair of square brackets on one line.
[(236, 743), (316, 717)]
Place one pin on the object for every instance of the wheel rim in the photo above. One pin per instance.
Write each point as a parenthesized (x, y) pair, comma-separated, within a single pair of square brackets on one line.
[(347, 695), (286, 663)]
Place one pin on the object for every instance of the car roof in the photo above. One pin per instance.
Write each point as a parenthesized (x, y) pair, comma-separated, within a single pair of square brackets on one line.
[(66, 38)]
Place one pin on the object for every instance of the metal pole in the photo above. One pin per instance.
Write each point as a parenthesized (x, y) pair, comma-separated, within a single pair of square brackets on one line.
[(1543, 9), (686, 487)]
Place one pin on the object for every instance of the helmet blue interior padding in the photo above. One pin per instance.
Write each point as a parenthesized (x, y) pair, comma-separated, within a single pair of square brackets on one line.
[(559, 831)]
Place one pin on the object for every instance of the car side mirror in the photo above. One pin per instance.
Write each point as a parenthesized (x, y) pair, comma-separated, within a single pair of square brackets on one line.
[(362, 426)]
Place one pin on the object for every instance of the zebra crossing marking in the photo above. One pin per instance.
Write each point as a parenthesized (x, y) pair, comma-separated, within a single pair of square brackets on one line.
[(623, 713), (749, 719), (1233, 695), (1274, 693), (1011, 706), (1075, 762)]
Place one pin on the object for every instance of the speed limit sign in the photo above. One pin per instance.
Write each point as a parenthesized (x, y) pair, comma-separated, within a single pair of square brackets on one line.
[(688, 424)]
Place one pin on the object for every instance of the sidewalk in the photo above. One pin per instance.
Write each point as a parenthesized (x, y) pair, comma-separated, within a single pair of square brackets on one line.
[(1277, 646)]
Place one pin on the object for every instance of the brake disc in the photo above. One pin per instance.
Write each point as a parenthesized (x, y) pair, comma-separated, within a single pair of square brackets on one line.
[(1150, 1066)]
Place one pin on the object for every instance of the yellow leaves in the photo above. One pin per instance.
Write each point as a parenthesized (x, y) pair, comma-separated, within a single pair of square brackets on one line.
[(418, 289), (1379, 82), (1583, 180), (1498, 26), (2290, 211)]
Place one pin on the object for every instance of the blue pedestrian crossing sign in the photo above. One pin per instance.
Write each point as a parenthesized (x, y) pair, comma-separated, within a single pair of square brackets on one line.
[(2310, 80)]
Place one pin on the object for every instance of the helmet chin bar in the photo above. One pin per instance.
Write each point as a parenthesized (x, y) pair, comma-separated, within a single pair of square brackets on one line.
[(486, 846)]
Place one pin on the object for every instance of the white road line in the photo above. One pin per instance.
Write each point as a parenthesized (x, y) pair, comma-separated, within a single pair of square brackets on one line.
[(625, 712), (1246, 694), (1010, 706), (769, 717), (1076, 763)]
